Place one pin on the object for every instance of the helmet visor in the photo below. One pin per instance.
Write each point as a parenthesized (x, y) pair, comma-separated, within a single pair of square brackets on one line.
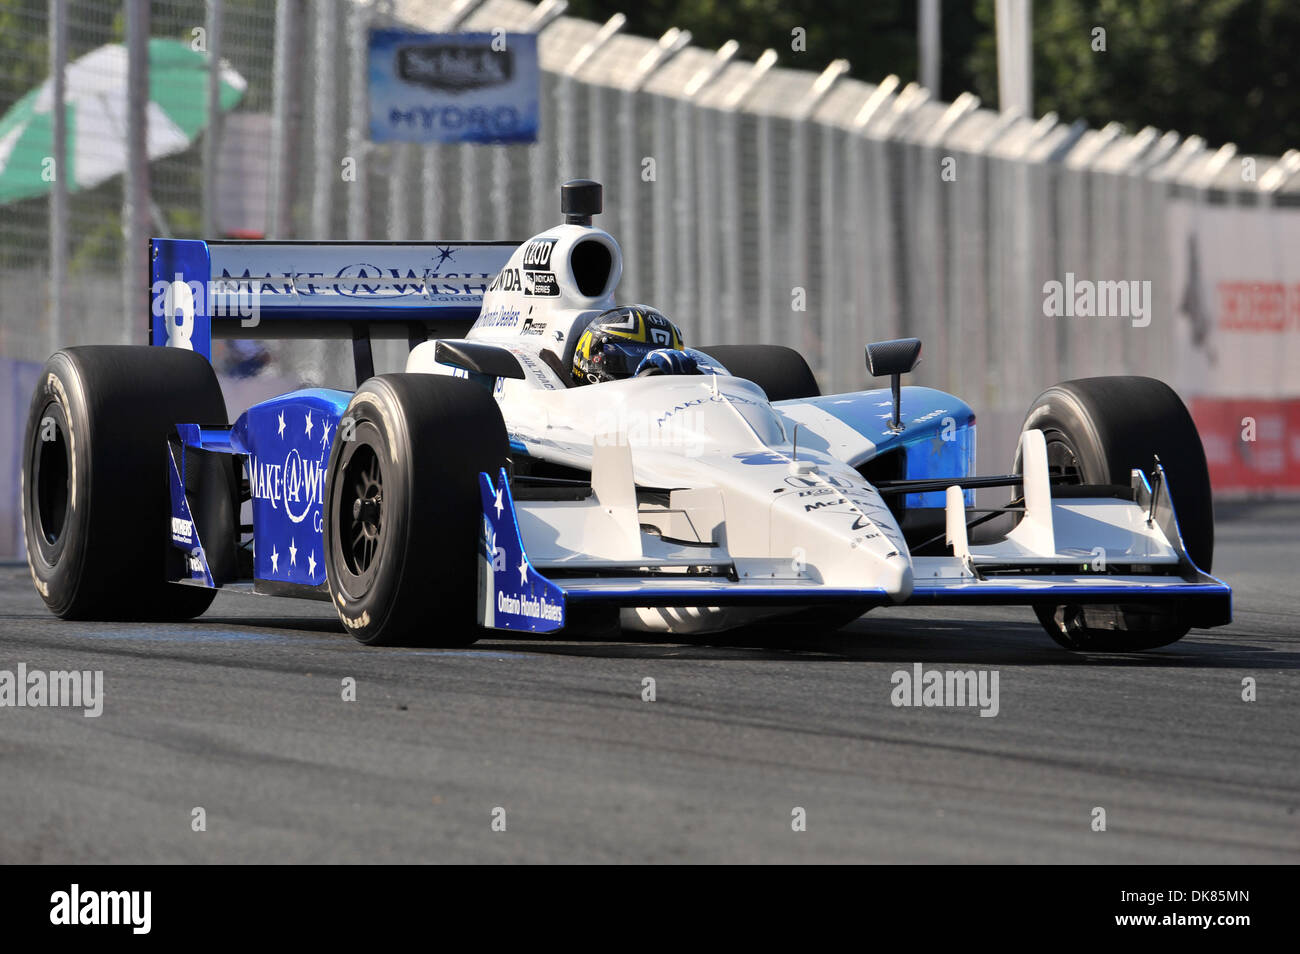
[(620, 359)]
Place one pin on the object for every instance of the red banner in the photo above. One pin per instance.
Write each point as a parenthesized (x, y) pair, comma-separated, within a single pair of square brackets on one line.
[(1252, 445)]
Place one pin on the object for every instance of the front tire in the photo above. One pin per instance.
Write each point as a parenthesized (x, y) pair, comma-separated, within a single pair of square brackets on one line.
[(403, 518), (94, 479), (1097, 431)]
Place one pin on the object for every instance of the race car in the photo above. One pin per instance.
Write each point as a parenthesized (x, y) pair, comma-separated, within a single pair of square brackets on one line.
[(555, 461)]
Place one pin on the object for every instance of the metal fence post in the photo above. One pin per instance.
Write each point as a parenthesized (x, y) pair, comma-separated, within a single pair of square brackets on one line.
[(135, 217), (669, 45), (868, 214), (733, 233), (1015, 28), (314, 359), (566, 155), (212, 135), (566, 109), (944, 237), (358, 120), (543, 15), (322, 201), (58, 38), (800, 334), (401, 173), (431, 191), (433, 156), (598, 138), (282, 97), (696, 216), (469, 153), (665, 200), (830, 315), (929, 48)]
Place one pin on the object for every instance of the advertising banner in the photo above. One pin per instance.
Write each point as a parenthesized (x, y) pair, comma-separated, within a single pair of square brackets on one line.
[(453, 87), (1236, 280)]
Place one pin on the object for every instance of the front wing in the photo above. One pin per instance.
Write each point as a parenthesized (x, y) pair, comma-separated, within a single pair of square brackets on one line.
[(515, 595)]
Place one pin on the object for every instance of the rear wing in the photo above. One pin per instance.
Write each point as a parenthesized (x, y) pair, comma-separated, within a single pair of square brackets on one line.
[(358, 290)]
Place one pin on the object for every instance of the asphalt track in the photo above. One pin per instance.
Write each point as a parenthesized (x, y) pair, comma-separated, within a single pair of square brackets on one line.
[(242, 714)]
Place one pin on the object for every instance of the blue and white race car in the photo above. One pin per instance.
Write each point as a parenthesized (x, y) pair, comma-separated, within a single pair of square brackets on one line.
[(552, 461)]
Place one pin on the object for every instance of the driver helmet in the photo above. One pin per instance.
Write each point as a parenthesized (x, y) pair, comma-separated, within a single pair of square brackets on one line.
[(616, 341)]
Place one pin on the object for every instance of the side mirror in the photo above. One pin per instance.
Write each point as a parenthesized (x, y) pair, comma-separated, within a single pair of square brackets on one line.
[(894, 358)]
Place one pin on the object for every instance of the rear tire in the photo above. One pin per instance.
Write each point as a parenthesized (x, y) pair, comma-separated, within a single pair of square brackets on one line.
[(1098, 430), (96, 509), (404, 513), (781, 372)]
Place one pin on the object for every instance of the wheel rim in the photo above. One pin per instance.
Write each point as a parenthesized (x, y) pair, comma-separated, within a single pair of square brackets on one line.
[(1062, 459), (51, 478), (361, 510)]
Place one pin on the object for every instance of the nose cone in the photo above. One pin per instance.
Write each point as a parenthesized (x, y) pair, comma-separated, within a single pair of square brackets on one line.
[(882, 566), (846, 535), (897, 577)]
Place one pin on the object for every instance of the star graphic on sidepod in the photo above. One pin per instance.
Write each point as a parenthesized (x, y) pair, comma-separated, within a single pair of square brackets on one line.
[(523, 570), (275, 561), (293, 554), (311, 564), (499, 505), (309, 423), (282, 423), (444, 255)]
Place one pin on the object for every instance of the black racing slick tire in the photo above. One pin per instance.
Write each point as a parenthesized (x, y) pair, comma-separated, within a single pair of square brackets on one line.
[(1097, 431), (781, 372), (404, 512), (96, 506)]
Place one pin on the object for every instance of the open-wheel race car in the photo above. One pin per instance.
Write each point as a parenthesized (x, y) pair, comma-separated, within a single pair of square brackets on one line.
[(551, 460)]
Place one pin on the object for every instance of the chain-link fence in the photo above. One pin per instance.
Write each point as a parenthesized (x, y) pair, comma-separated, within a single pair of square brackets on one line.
[(753, 202)]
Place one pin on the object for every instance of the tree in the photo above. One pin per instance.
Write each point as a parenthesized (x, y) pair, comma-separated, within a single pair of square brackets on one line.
[(1223, 69), (877, 37)]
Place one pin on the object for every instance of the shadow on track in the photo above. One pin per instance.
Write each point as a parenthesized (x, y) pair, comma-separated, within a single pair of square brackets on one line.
[(977, 643), (308, 624), (868, 640)]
